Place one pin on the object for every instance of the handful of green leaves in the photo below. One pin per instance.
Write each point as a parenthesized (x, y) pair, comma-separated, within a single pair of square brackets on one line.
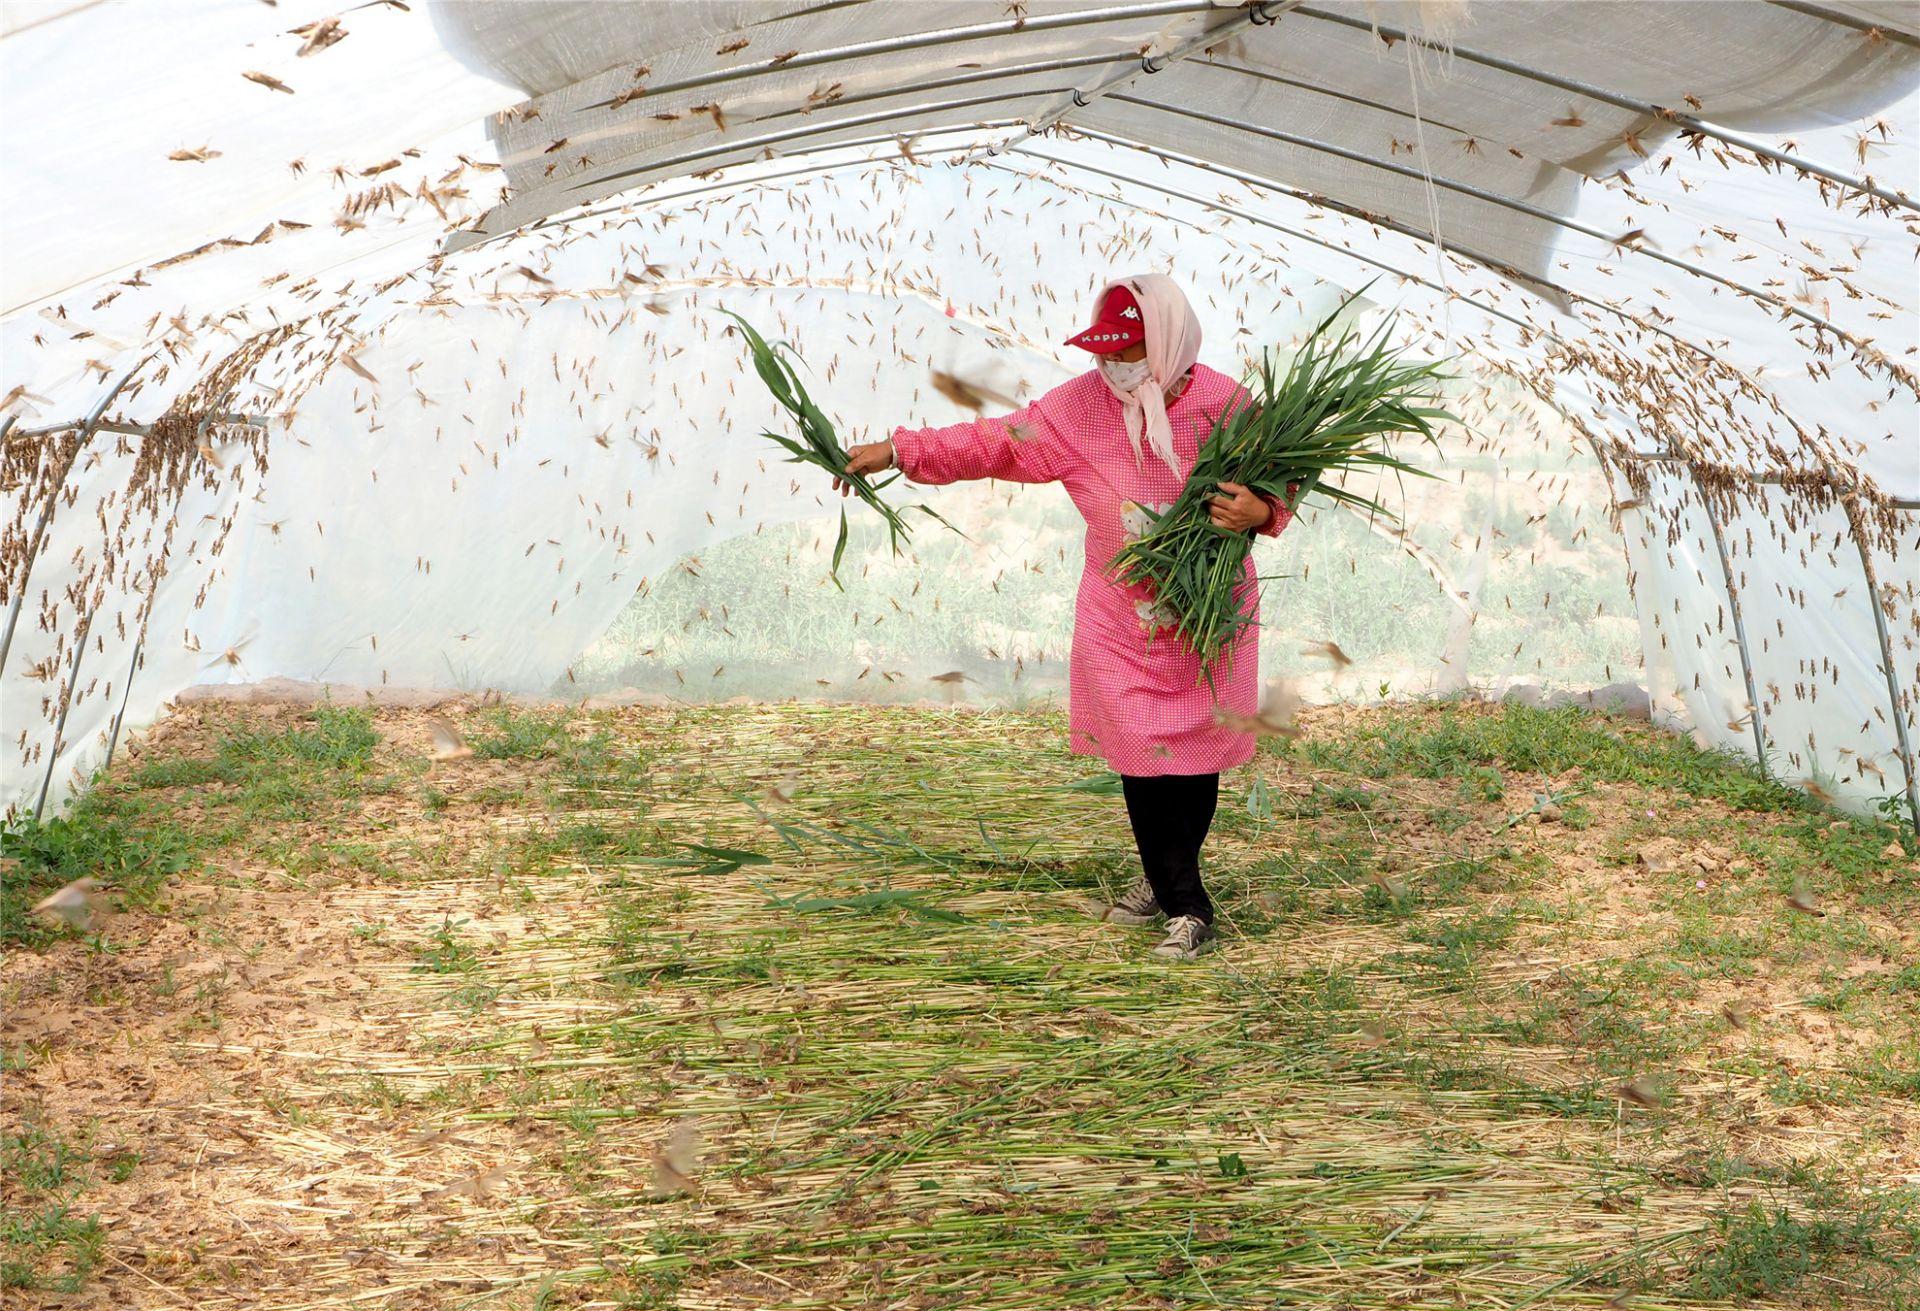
[(1323, 415), (817, 444)]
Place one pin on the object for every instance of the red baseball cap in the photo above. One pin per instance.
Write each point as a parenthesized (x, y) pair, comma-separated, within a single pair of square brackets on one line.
[(1118, 326)]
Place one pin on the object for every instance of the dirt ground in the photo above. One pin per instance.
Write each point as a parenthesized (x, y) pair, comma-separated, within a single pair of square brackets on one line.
[(386, 1042)]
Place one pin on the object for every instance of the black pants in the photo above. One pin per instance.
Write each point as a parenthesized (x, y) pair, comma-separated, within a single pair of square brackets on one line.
[(1171, 814)]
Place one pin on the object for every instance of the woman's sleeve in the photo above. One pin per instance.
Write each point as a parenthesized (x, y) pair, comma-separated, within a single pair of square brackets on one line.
[(1023, 447), (1281, 515)]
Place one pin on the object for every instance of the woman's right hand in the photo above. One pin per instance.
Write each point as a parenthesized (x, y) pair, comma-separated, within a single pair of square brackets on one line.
[(869, 458)]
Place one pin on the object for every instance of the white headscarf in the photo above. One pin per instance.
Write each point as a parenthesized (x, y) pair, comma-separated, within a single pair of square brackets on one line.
[(1173, 345)]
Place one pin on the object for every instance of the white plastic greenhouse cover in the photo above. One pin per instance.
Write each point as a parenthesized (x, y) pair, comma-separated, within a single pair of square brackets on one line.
[(379, 345)]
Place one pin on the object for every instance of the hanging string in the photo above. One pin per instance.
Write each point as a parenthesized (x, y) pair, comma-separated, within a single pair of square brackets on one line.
[(1439, 19), (1432, 194)]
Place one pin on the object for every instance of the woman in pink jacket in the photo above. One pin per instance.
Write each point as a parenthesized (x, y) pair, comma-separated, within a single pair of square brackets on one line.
[(1120, 437)]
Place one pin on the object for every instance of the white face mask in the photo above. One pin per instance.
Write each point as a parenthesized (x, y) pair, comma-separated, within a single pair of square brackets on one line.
[(1125, 375)]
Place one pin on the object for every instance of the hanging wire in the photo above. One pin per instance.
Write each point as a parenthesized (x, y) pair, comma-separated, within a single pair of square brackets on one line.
[(1439, 20)]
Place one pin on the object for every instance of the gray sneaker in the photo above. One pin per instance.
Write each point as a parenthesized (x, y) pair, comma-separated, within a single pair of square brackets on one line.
[(1137, 906), (1187, 936)]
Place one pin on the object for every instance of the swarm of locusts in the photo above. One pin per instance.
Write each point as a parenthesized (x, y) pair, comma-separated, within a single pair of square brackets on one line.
[(1328, 412)]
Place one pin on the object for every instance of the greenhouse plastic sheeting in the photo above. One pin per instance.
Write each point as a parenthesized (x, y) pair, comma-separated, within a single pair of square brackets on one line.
[(489, 440)]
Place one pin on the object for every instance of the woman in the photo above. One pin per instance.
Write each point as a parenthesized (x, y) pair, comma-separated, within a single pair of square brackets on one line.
[(1139, 703)]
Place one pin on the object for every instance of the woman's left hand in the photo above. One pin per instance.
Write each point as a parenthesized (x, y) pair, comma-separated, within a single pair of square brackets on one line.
[(1241, 510)]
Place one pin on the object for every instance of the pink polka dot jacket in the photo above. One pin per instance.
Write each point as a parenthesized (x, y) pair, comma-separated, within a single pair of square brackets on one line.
[(1135, 695)]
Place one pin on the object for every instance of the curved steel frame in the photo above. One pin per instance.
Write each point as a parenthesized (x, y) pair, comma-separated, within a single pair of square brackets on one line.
[(1851, 504), (922, 40), (1477, 193), (1263, 15), (1574, 87), (1259, 15), (1492, 198), (87, 427), (66, 705), (1839, 19), (1739, 623)]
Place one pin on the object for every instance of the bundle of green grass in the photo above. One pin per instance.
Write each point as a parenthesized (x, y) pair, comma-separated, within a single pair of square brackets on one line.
[(1328, 413), (817, 443)]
